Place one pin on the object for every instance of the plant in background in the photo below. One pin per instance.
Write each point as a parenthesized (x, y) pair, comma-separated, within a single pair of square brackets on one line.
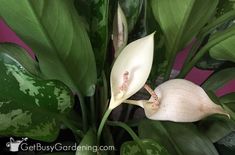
[(80, 45)]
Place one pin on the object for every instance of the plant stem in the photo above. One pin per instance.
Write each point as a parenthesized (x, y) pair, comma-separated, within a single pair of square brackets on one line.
[(84, 113), (130, 131), (103, 121), (126, 127)]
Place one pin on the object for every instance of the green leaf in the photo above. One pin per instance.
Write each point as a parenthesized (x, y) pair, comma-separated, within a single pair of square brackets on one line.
[(53, 30), (228, 98), (180, 23), (88, 140), (29, 105), (219, 79), (131, 9), (177, 138), (224, 50), (151, 147), (96, 13), (216, 128), (208, 63), (182, 20), (228, 102), (225, 6)]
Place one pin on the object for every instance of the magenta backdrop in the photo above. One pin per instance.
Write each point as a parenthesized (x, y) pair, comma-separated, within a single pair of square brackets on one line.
[(197, 76)]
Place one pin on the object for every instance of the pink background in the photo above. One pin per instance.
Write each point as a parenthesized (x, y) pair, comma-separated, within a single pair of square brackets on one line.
[(196, 75)]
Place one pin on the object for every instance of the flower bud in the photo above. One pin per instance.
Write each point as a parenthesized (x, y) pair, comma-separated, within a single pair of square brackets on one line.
[(120, 31), (181, 101)]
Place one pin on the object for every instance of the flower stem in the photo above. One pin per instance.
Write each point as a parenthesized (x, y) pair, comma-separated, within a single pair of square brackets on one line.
[(130, 131), (84, 113), (103, 121)]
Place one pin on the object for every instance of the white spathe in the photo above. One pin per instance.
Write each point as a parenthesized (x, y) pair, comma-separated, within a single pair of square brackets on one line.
[(136, 59), (182, 101)]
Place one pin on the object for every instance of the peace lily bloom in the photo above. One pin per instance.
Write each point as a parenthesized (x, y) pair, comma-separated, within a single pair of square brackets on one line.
[(131, 70), (129, 73), (180, 100)]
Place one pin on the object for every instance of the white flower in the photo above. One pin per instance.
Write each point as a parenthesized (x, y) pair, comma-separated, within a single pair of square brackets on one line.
[(131, 69), (181, 101)]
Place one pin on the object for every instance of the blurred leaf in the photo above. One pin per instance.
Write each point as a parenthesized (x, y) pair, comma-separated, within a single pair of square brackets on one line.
[(224, 50), (53, 30), (29, 106), (216, 128), (219, 79), (151, 147), (208, 63), (96, 13), (177, 138), (229, 104), (183, 19), (228, 98), (131, 9), (225, 6), (226, 146), (88, 142), (180, 23)]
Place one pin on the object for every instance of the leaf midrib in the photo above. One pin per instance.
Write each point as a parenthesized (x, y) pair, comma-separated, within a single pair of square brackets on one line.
[(49, 40)]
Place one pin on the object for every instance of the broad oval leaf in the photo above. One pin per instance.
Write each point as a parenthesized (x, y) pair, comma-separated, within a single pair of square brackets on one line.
[(219, 79), (182, 20), (224, 50), (29, 106), (53, 30), (151, 147), (177, 138)]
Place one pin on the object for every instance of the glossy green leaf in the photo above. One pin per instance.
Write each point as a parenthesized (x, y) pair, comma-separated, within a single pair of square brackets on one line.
[(177, 138), (219, 79), (182, 20), (96, 14), (131, 9), (53, 30), (216, 128), (224, 50), (151, 147), (29, 106), (88, 145)]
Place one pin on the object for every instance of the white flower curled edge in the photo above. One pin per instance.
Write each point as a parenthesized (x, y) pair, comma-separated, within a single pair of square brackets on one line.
[(131, 70), (179, 100)]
